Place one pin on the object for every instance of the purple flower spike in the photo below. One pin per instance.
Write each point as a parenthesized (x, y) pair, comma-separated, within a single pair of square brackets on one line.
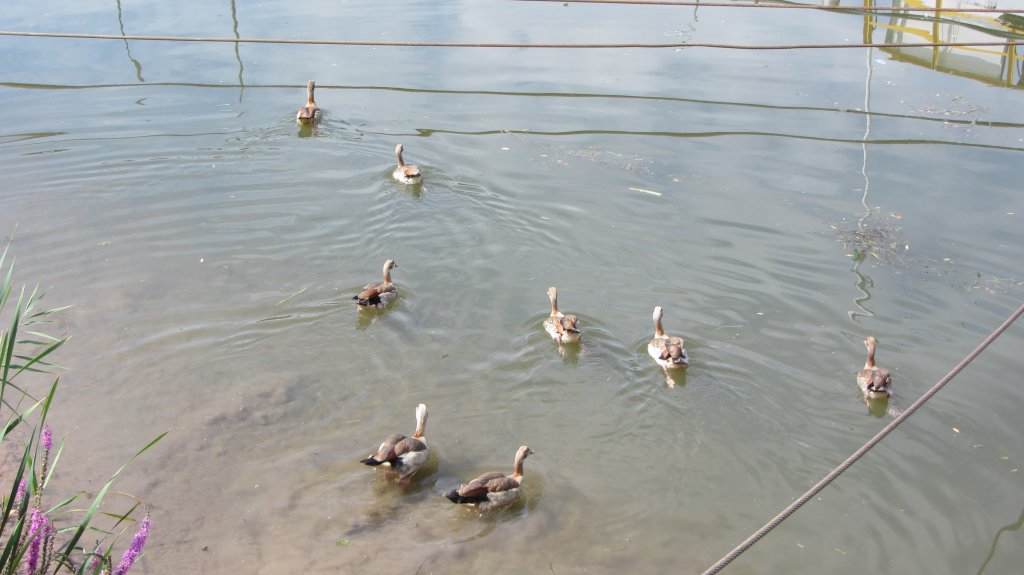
[(21, 492), (47, 437), (132, 553), (37, 521)]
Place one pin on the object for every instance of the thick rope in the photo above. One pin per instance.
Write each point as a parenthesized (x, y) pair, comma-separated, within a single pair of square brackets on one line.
[(864, 449), (676, 45), (852, 8)]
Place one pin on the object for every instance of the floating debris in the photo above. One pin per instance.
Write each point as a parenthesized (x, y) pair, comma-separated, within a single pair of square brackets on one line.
[(995, 285), (291, 296), (651, 192), (559, 155), (875, 236)]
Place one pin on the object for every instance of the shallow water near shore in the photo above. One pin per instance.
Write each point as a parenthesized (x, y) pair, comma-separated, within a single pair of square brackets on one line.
[(211, 247)]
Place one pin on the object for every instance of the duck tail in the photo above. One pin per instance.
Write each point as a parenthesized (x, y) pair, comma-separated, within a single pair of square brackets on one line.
[(454, 497)]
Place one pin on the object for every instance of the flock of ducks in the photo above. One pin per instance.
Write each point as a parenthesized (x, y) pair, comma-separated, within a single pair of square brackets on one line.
[(406, 455)]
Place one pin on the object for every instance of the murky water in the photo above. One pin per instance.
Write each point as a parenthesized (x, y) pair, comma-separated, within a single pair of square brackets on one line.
[(211, 249)]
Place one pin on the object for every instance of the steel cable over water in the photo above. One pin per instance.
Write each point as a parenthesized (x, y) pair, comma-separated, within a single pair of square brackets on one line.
[(789, 510), (399, 43)]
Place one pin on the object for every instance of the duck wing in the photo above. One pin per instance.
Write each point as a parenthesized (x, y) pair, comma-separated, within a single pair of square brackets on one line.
[(503, 483), (387, 450), (372, 292), (409, 445), (480, 486)]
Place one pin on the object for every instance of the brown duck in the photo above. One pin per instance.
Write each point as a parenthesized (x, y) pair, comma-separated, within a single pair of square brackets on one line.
[(403, 454), (406, 173), (561, 327), (494, 489), (379, 295), (873, 381), (667, 350), (309, 113)]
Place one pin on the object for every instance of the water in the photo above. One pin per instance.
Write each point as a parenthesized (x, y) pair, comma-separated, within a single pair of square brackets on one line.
[(211, 253)]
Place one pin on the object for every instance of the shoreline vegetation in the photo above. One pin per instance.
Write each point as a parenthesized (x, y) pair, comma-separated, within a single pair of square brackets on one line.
[(38, 536)]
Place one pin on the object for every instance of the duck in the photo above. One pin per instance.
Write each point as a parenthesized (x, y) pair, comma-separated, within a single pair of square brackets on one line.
[(667, 350), (561, 327), (406, 173), (494, 489), (404, 455), (378, 295), (873, 381), (309, 113)]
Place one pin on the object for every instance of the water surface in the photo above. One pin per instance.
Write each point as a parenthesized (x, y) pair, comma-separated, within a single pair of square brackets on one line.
[(211, 249)]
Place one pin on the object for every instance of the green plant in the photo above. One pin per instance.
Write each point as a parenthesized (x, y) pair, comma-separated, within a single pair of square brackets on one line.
[(36, 539)]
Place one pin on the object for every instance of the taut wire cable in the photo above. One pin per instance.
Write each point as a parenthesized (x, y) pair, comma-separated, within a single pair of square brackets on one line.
[(400, 43)]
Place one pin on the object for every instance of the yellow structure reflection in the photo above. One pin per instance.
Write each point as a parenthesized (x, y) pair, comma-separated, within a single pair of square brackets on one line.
[(994, 65)]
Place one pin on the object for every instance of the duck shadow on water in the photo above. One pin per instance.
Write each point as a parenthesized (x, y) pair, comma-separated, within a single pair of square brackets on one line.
[(365, 317), (286, 128), (308, 130), (328, 127), (392, 495), (877, 407), (571, 353), (387, 483), (881, 407)]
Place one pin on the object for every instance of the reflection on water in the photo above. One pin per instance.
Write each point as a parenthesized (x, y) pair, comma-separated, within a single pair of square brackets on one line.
[(995, 541), (238, 54), (995, 65), (211, 250), (878, 407), (307, 130), (127, 49)]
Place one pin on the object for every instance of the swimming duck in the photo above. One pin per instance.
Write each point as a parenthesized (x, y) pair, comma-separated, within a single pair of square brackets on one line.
[(667, 350), (406, 173), (493, 489), (309, 113), (380, 294), (873, 381), (562, 328), (405, 455)]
